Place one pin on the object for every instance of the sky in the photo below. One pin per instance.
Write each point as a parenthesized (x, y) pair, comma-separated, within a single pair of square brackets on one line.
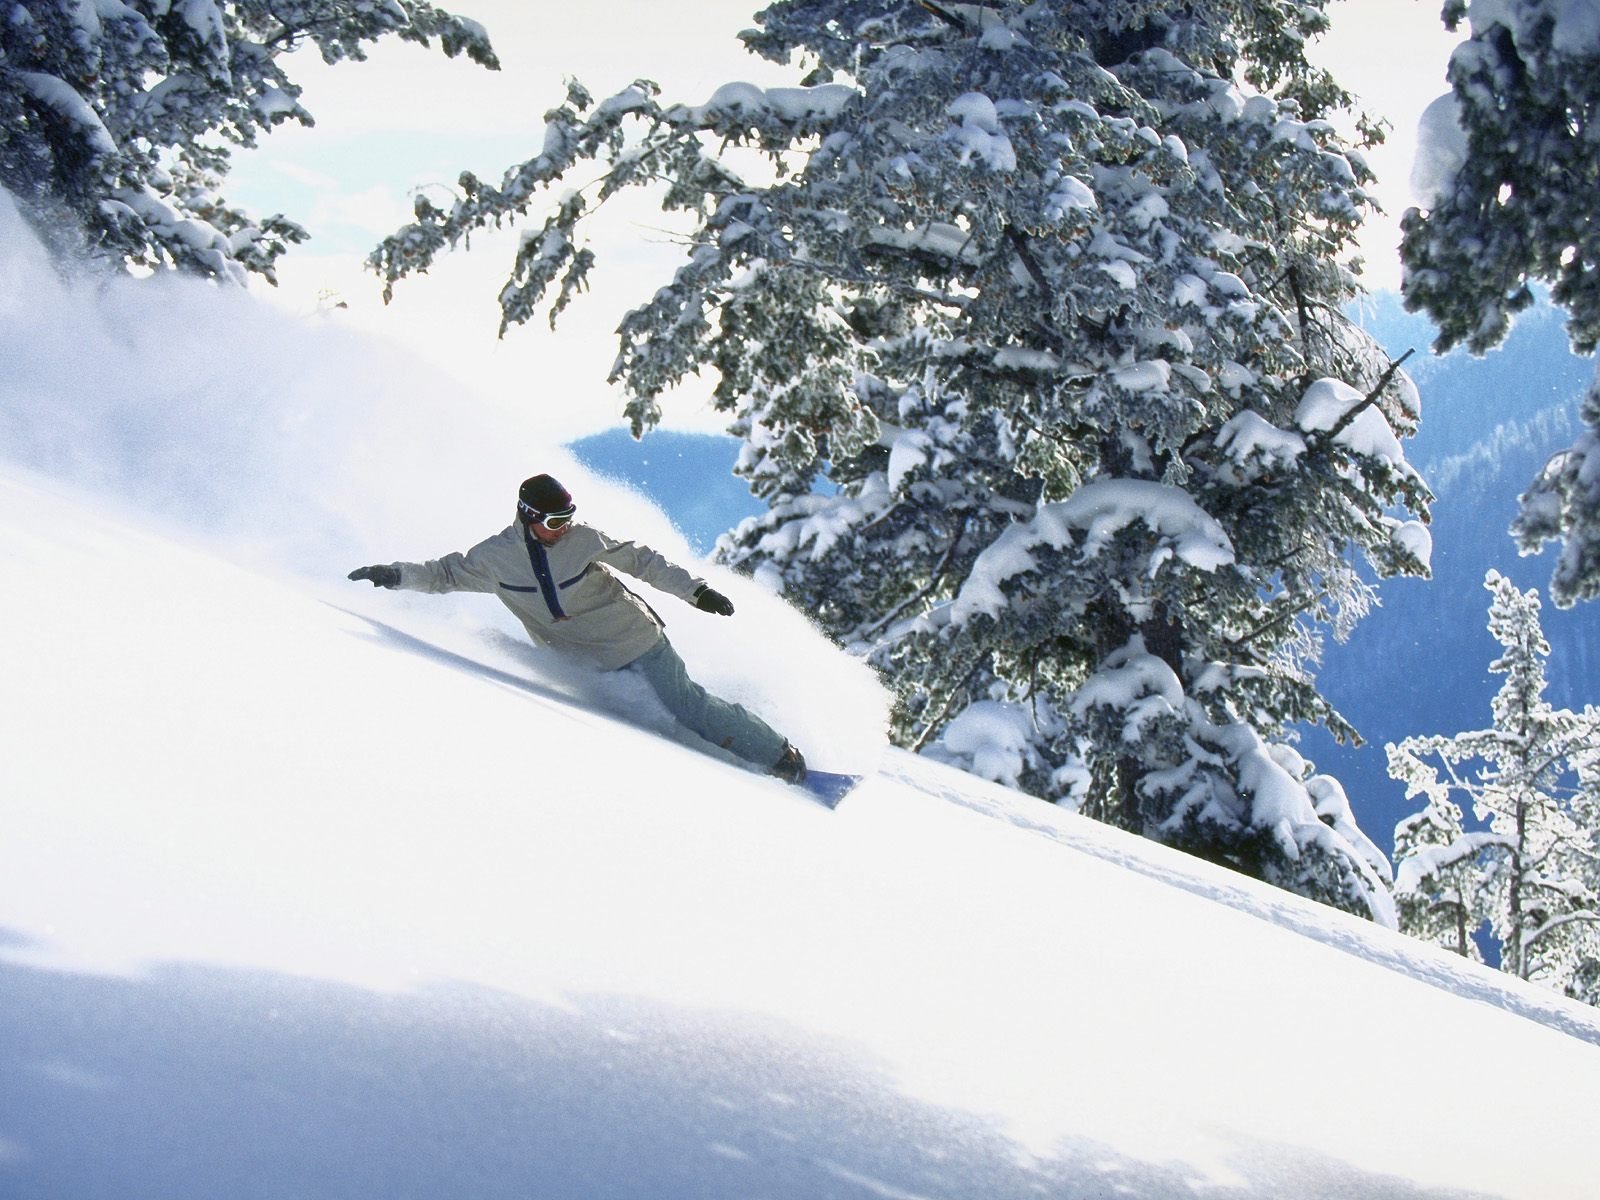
[(410, 118)]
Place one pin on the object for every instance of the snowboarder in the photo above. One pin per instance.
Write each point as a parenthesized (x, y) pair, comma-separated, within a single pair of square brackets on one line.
[(551, 572)]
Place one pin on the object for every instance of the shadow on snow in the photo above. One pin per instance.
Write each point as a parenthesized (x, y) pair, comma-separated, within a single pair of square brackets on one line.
[(206, 1081)]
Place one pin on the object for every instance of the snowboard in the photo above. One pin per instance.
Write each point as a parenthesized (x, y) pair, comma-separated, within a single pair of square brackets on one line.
[(829, 787)]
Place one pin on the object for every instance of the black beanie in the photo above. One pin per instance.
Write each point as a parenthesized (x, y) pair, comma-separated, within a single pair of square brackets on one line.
[(544, 495)]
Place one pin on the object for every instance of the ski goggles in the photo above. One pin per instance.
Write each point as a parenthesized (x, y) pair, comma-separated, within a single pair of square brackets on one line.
[(551, 521)]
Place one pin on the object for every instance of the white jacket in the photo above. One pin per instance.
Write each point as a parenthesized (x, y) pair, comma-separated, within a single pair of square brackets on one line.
[(578, 605)]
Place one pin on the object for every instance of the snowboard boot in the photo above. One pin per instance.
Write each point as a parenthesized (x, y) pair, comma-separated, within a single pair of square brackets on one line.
[(791, 765)]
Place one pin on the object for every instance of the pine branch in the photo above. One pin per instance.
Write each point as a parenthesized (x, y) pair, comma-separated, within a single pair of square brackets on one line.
[(1273, 622), (937, 723), (923, 592), (1019, 243), (945, 15), (1556, 923), (1369, 400)]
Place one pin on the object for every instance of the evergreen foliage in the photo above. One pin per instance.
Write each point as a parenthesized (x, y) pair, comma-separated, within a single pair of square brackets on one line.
[(118, 117), (1514, 209), (1531, 876), (1031, 318)]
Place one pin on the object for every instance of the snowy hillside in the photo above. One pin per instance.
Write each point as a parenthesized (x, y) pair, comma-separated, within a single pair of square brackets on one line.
[(311, 891), (306, 896)]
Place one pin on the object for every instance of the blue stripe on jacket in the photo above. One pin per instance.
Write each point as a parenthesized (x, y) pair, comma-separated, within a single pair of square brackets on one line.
[(541, 572)]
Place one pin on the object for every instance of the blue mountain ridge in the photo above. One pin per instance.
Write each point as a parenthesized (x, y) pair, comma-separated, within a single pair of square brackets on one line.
[(1419, 663)]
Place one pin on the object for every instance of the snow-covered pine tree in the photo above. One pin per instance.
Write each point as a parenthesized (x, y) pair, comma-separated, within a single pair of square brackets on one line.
[(117, 117), (1436, 890), (1584, 981), (1514, 172), (1050, 296), (1530, 874)]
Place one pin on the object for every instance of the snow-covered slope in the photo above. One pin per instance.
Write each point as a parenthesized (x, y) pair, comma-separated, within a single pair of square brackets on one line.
[(310, 891), (305, 892)]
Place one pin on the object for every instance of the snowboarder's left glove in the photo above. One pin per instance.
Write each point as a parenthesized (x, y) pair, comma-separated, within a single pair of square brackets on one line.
[(384, 577), (708, 599)]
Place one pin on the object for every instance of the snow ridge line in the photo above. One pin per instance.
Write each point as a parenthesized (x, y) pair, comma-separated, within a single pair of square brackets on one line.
[(1329, 926)]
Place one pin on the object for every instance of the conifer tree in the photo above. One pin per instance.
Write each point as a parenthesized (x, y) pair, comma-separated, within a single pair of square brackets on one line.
[(1583, 979), (118, 117), (1031, 317), (1515, 208), (1436, 891), (1529, 876)]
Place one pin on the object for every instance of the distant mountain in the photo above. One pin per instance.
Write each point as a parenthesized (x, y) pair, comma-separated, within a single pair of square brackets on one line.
[(1420, 663)]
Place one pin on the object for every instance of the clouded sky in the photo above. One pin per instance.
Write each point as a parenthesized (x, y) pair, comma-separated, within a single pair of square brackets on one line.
[(411, 118)]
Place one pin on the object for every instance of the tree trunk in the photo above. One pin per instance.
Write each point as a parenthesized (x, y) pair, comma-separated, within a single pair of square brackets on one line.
[(1515, 950)]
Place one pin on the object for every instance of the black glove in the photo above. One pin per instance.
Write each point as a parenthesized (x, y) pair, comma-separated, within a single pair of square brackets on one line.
[(384, 577), (708, 599)]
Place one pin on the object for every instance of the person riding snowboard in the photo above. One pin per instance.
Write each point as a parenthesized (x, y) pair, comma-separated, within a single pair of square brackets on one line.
[(551, 572)]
